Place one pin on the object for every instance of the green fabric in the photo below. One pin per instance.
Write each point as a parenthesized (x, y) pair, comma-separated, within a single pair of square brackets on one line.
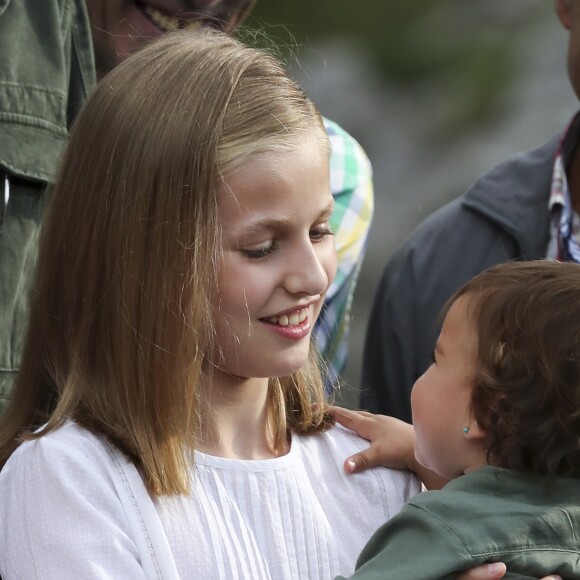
[(18, 243), (351, 185), (490, 515), (46, 71)]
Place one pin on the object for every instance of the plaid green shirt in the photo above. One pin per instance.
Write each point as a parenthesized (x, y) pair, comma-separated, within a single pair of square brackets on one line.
[(352, 188)]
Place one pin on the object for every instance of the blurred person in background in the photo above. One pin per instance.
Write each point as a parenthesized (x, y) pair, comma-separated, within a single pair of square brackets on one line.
[(526, 208), (52, 53)]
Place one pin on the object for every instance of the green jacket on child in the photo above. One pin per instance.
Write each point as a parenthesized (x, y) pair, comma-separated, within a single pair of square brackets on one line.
[(489, 515)]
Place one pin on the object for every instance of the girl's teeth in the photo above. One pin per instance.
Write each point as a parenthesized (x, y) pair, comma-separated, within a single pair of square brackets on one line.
[(292, 320)]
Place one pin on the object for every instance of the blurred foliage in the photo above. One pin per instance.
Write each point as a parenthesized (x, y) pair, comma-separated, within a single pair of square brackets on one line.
[(413, 43)]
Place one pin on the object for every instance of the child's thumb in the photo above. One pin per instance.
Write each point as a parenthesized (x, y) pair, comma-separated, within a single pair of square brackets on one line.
[(361, 461)]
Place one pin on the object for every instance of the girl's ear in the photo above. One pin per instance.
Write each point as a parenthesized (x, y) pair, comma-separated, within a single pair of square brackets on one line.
[(563, 12)]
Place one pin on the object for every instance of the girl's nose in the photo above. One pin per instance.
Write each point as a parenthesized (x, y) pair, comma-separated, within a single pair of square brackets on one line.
[(307, 271)]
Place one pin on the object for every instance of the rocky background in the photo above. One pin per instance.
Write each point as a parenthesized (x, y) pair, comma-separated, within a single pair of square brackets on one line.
[(436, 91)]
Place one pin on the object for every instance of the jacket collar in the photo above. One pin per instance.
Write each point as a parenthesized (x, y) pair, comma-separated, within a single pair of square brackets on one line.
[(514, 195)]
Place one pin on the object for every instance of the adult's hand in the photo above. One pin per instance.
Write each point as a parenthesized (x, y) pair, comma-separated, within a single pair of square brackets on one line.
[(486, 572), (493, 572)]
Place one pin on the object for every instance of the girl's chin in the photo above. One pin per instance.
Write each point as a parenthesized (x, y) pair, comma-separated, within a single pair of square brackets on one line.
[(274, 371), (264, 361)]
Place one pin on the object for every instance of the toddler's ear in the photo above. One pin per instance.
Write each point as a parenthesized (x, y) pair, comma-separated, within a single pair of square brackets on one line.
[(473, 431), (477, 445)]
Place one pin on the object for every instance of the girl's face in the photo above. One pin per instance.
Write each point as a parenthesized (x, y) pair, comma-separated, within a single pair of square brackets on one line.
[(278, 259), (441, 396)]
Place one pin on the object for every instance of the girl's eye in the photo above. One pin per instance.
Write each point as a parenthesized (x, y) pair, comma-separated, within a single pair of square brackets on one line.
[(433, 359), (319, 233), (258, 253)]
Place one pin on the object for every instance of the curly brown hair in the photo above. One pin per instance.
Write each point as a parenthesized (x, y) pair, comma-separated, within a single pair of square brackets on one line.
[(527, 392)]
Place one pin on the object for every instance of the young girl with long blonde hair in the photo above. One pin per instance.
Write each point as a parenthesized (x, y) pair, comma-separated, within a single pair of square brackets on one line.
[(169, 419)]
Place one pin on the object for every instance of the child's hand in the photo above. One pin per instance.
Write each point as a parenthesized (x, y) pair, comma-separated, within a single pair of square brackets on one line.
[(392, 440), (392, 444)]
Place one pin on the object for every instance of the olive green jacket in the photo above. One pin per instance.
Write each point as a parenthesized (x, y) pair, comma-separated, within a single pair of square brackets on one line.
[(46, 71), (489, 515)]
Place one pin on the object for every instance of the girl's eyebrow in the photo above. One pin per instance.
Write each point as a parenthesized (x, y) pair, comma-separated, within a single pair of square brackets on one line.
[(266, 224), (280, 222)]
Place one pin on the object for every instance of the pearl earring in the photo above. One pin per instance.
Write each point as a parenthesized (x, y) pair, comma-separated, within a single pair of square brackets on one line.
[(466, 429)]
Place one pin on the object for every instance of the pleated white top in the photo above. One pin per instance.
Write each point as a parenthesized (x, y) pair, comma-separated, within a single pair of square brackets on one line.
[(294, 517)]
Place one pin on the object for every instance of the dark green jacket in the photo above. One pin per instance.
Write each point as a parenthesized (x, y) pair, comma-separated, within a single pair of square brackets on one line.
[(490, 515), (503, 216), (46, 71)]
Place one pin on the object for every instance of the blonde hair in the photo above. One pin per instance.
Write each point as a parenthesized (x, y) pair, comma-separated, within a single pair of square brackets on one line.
[(121, 313)]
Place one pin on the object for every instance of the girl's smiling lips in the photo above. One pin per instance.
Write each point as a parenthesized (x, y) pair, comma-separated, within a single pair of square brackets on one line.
[(294, 324)]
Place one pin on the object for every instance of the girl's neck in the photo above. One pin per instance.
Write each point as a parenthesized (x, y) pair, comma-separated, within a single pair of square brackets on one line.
[(235, 425)]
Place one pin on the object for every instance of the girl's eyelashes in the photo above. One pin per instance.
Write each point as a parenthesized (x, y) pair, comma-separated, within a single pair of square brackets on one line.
[(433, 359), (319, 233), (258, 253)]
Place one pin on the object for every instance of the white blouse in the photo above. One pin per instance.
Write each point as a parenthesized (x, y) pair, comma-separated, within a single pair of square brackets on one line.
[(73, 507)]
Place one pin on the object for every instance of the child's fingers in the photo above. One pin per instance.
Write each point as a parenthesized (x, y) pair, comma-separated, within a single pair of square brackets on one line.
[(391, 441), (357, 421), (363, 460)]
